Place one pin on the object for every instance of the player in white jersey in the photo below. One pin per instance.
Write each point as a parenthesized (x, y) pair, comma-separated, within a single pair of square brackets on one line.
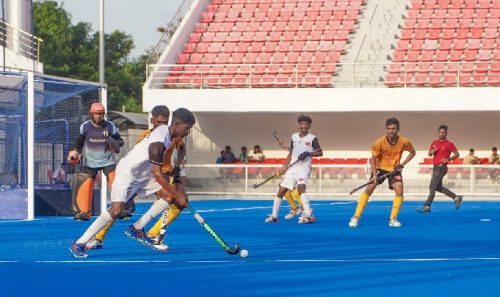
[(139, 172), (303, 147)]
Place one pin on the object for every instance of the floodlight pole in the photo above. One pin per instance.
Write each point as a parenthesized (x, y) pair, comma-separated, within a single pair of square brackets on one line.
[(101, 41), (104, 96)]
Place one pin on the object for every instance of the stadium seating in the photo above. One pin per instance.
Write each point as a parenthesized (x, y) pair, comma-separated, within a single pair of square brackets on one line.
[(448, 43), (266, 43)]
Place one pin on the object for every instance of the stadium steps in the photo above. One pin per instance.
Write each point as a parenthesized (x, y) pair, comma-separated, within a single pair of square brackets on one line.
[(374, 36)]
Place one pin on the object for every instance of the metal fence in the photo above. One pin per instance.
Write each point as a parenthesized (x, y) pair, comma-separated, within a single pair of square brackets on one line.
[(325, 75), (336, 181)]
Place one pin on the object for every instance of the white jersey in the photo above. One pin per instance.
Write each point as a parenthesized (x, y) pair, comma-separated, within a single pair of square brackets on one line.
[(300, 145), (137, 160)]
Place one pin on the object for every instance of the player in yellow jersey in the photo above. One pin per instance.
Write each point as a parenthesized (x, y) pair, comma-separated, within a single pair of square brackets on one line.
[(160, 115), (386, 158)]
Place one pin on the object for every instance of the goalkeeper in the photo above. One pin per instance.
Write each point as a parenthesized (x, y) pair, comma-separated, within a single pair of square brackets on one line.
[(98, 141)]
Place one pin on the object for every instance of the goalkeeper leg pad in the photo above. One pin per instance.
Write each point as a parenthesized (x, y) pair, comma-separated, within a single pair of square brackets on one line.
[(83, 188)]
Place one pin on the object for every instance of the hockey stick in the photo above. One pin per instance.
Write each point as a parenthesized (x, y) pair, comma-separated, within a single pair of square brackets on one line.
[(214, 235), (280, 143), (255, 186), (366, 184)]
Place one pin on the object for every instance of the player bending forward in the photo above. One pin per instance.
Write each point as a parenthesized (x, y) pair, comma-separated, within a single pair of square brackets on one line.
[(139, 172), (303, 146)]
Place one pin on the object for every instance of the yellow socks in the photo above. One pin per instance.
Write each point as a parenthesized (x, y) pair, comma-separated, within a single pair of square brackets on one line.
[(363, 200), (289, 198), (396, 206), (102, 234), (296, 195), (173, 213)]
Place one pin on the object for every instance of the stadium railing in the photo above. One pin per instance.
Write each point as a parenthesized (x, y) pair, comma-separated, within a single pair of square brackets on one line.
[(336, 180), (19, 41), (300, 75)]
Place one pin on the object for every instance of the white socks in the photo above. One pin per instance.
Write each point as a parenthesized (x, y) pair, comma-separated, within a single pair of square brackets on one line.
[(305, 204), (96, 226), (276, 206), (158, 207)]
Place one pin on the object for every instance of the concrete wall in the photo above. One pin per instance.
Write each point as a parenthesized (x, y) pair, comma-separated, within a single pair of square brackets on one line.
[(326, 100), (341, 134)]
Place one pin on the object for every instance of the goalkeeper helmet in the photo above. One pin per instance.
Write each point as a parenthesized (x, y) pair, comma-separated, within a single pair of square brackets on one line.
[(97, 108)]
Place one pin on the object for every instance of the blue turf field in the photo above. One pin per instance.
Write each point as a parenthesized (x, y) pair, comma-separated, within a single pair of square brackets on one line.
[(446, 253)]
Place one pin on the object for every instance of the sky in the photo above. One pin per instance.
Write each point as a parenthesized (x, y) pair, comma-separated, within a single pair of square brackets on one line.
[(138, 18)]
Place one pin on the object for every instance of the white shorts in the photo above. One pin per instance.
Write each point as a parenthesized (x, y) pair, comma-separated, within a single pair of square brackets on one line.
[(125, 186), (292, 179)]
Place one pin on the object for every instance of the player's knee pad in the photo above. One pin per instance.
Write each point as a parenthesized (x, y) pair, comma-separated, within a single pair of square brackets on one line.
[(83, 188)]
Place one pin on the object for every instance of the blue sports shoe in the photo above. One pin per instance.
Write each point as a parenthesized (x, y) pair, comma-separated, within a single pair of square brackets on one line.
[(139, 235), (78, 250)]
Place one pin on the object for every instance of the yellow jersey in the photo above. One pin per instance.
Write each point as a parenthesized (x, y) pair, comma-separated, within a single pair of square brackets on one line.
[(388, 155)]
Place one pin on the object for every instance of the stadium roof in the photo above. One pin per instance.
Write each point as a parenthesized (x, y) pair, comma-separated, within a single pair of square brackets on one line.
[(129, 120)]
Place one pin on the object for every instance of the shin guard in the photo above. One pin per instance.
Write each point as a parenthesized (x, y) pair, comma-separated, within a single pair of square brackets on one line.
[(83, 188)]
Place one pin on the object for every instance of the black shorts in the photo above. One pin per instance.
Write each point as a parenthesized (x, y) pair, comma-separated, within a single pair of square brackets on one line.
[(93, 171), (392, 178)]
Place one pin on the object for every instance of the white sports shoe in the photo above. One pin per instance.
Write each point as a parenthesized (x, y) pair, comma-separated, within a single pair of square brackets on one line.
[(157, 245), (94, 244), (271, 219), (354, 222), (394, 223), (292, 213), (306, 219)]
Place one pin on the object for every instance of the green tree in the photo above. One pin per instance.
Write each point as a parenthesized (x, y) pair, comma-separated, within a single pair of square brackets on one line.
[(72, 51)]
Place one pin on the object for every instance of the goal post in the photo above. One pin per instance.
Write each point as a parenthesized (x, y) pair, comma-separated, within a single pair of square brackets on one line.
[(40, 116)]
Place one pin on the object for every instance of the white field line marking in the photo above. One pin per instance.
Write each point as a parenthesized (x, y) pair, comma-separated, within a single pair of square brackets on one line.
[(366, 260), (266, 207)]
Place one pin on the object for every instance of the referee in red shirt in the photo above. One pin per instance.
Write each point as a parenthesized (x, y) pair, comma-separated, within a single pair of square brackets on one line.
[(441, 149)]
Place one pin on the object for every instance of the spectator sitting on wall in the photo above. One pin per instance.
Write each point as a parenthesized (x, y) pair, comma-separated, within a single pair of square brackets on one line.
[(494, 159), (244, 154), (59, 175), (470, 159), (256, 155)]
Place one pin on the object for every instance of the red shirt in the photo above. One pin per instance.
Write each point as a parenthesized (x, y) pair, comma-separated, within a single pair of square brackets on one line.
[(444, 148)]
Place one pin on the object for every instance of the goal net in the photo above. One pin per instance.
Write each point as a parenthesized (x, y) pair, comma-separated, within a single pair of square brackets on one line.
[(58, 108)]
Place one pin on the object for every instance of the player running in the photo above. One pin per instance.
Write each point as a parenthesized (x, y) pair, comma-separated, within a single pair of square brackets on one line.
[(303, 146), (386, 156), (441, 150), (140, 172), (156, 235)]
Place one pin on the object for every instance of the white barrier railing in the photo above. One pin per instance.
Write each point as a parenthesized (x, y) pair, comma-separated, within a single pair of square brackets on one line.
[(299, 75), (19, 41), (338, 180)]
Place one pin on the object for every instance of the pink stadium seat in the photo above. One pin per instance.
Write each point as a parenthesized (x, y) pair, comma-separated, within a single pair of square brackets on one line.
[(268, 31)]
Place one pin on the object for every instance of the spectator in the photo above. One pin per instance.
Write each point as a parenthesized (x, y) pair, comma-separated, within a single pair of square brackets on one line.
[(59, 176), (244, 154), (470, 159), (494, 159), (220, 159), (256, 155), (229, 156)]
